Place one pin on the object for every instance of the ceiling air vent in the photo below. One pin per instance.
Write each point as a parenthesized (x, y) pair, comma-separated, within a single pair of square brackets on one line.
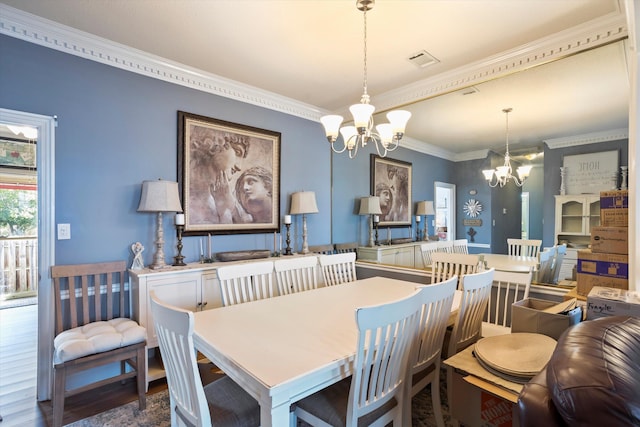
[(422, 59)]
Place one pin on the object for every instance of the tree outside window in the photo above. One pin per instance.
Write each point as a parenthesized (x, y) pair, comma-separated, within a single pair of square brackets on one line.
[(18, 211)]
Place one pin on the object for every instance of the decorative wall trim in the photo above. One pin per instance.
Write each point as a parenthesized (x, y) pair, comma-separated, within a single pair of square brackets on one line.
[(590, 35), (588, 138), (34, 29)]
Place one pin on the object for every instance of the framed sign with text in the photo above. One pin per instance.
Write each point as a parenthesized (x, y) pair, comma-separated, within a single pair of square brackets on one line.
[(591, 173)]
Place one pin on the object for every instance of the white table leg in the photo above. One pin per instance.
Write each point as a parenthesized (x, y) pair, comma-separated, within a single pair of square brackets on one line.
[(274, 417)]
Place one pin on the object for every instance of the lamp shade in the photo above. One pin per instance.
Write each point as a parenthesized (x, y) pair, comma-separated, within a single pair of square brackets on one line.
[(370, 205), (159, 196), (425, 208), (303, 202)]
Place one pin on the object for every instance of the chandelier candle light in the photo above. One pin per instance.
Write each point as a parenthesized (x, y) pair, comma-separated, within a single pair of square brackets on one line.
[(370, 206), (303, 202), (159, 196), (424, 208), (388, 135), (503, 173)]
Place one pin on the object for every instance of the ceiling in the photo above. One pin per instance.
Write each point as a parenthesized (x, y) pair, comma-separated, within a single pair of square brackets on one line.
[(311, 51)]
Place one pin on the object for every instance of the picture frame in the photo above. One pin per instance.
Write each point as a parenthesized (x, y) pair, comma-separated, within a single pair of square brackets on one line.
[(17, 153), (591, 173), (391, 181), (228, 176)]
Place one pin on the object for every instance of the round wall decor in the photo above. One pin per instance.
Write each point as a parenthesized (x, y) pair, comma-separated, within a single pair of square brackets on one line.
[(472, 208)]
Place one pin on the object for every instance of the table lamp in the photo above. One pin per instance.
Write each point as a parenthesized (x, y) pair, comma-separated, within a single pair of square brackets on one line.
[(159, 196), (370, 206), (425, 208), (303, 202)]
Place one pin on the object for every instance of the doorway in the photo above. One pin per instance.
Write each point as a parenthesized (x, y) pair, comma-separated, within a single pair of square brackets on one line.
[(45, 127), (525, 215), (445, 206)]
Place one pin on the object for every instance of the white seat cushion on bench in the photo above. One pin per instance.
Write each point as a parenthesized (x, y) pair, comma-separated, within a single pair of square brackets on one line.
[(96, 337)]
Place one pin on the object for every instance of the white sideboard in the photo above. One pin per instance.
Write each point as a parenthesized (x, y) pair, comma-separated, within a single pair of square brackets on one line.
[(403, 254)]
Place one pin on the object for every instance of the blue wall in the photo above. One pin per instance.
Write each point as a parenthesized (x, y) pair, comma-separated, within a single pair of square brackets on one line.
[(117, 129)]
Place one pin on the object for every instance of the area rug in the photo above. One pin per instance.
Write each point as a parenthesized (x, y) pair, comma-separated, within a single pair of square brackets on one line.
[(157, 412)]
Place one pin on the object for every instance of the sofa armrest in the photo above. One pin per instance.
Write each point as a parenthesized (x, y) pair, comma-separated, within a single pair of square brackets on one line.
[(535, 406)]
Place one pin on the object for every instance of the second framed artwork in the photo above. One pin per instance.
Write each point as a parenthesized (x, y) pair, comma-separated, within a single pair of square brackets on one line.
[(229, 176), (391, 181)]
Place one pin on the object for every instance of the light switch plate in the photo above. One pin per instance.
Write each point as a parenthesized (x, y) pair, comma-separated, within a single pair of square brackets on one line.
[(64, 231)]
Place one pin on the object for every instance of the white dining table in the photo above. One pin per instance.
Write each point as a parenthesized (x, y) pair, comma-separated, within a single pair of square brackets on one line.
[(505, 262), (285, 348)]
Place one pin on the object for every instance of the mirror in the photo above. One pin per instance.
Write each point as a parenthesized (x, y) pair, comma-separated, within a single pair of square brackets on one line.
[(580, 94)]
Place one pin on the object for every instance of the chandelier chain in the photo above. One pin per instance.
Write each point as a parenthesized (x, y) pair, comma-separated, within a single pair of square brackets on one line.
[(365, 95)]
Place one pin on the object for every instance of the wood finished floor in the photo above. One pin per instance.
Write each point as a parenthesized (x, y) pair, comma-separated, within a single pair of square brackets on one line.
[(18, 367)]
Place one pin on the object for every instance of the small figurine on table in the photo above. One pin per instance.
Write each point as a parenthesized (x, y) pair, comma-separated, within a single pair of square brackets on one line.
[(138, 263)]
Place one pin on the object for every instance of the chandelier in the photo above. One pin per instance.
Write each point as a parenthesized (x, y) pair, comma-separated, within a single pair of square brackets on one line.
[(503, 174), (386, 137)]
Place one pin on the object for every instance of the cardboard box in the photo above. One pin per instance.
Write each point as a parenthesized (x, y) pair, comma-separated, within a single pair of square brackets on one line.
[(604, 302), (614, 208), (529, 315), (611, 240), (478, 397), (597, 269)]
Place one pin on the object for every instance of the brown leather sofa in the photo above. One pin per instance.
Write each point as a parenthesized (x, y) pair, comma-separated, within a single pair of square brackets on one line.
[(592, 378)]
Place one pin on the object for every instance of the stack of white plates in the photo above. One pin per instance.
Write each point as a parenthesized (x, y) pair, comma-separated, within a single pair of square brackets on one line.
[(516, 357)]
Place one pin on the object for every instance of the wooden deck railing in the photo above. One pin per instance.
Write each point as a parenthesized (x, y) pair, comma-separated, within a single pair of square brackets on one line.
[(19, 273)]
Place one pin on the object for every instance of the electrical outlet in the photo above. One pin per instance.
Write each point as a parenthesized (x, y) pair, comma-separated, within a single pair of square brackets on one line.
[(64, 231)]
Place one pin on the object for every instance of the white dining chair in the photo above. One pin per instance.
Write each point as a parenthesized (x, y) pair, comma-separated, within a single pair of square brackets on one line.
[(424, 363), (446, 265), (346, 247), (561, 251), (508, 287), (461, 246), (373, 395), (426, 249), (445, 246), (476, 291), (326, 249), (544, 272), (221, 403), (524, 247), (296, 274), (338, 268), (240, 283)]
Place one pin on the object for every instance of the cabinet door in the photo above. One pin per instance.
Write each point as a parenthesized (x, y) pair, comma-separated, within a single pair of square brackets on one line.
[(592, 213), (570, 216), (404, 257), (180, 290)]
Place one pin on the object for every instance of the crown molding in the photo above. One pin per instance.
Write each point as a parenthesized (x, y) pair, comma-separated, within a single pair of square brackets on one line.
[(588, 138), (595, 33), (34, 29)]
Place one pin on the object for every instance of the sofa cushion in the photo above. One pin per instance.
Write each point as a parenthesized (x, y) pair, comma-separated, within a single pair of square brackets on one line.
[(594, 374), (96, 337)]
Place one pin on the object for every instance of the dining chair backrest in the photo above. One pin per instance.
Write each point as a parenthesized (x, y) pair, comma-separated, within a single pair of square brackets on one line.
[(346, 247), (424, 362), (219, 403), (174, 329), (386, 333), (524, 247), (508, 287), (461, 246), (322, 249), (427, 249), (338, 268), (445, 246), (447, 265), (240, 283), (545, 269), (561, 251), (476, 291), (296, 274)]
